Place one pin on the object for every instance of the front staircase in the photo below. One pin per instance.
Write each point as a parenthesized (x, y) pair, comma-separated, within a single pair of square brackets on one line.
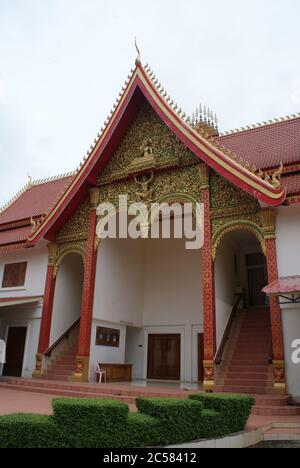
[(61, 362), (246, 366)]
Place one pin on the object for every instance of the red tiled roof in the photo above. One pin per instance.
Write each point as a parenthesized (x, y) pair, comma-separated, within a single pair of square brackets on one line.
[(292, 184), (265, 147), (35, 200), (13, 236), (285, 285)]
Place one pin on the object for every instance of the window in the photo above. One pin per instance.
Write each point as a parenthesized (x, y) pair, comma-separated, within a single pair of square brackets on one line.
[(14, 275), (108, 337)]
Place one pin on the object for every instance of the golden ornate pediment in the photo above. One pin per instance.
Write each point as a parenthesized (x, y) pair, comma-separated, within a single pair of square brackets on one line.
[(148, 145)]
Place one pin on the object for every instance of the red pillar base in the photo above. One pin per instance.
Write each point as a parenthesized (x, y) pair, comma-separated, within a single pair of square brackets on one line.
[(82, 369)]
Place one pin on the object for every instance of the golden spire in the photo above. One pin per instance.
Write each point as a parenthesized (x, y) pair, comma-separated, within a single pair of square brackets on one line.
[(138, 59)]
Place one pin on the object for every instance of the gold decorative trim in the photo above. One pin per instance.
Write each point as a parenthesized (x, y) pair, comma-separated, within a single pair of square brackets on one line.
[(236, 225), (204, 176), (52, 253), (268, 221), (63, 251)]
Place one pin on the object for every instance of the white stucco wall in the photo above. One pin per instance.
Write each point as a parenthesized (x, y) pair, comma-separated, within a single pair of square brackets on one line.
[(288, 254), (119, 281), (27, 315), (291, 332), (68, 295), (106, 354), (226, 282), (37, 259), (288, 239), (134, 351), (172, 284), (150, 286)]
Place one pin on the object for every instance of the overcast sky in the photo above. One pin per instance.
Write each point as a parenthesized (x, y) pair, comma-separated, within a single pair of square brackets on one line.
[(63, 63)]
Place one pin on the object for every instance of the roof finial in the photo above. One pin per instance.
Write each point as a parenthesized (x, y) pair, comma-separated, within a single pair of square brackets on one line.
[(29, 183), (138, 59)]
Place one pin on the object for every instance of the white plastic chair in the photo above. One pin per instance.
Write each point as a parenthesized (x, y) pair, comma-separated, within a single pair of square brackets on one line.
[(102, 374)]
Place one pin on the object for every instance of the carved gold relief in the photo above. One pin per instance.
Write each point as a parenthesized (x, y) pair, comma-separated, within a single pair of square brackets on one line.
[(184, 180), (145, 193), (225, 198), (268, 221), (76, 228), (149, 143)]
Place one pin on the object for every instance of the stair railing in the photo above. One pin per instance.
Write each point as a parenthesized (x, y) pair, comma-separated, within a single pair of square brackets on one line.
[(64, 336), (226, 334)]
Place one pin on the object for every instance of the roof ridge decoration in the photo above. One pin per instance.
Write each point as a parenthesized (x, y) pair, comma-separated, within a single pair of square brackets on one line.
[(208, 149), (52, 179), (275, 121)]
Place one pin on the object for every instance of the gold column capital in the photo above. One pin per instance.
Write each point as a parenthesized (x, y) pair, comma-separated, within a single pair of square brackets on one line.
[(52, 253), (203, 170), (94, 194), (268, 221)]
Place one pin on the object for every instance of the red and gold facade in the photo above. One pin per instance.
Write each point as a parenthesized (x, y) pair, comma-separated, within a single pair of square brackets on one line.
[(185, 165)]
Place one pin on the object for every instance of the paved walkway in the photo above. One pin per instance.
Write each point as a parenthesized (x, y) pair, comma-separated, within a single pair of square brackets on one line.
[(14, 401)]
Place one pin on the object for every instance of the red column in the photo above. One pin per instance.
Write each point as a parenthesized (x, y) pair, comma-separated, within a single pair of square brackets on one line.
[(84, 344), (268, 218), (208, 286), (46, 321)]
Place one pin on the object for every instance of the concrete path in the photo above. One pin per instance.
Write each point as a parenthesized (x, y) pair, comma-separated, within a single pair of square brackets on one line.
[(14, 401)]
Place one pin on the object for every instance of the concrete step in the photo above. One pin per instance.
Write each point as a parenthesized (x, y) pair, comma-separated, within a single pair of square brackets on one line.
[(67, 367), (251, 390), (62, 378), (253, 369), (247, 383), (69, 393), (86, 389), (55, 371), (249, 362), (276, 411), (248, 375), (271, 400)]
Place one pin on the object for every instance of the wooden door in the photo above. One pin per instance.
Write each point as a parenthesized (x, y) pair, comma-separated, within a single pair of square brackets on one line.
[(15, 347), (256, 282), (200, 357), (164, 357), (257, 279)]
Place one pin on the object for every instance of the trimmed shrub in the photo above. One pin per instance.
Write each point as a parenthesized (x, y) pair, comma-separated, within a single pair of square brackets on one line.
[(29, 431), (234, 410), (180, 420), (91, 423), (98, 423), (169, 409), (141, 430)]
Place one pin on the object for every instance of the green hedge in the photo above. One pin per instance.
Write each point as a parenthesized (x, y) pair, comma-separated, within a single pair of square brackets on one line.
[(91, 422), (234, 410), (179, 419), (141, 430), (97, 423), (29, 431)]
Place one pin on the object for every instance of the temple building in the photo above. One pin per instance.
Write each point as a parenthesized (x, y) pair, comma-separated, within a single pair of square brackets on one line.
[(227, 315)]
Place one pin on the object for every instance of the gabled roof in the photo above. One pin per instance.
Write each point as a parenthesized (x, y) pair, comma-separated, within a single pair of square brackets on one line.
[(34, 200), (142, 85), (266, 146)]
